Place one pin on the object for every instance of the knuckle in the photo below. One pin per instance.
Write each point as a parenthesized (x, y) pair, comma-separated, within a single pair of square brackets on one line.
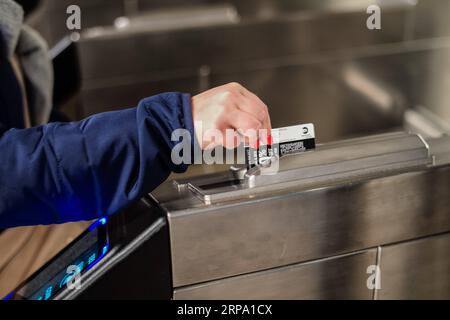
[(229, 100), (235, 85), (263, 114), (231, 93), (228, 107), (251, 123)]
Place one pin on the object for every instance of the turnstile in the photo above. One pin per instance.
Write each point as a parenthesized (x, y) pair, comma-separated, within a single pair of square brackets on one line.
[(366, 218)]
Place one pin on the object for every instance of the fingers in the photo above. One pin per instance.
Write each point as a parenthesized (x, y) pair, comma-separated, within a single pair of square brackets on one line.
[(249, 102), (251, 130), (243, 121), (232, 106), (268, 126), (254, 114), (253, 105), (233, 140)]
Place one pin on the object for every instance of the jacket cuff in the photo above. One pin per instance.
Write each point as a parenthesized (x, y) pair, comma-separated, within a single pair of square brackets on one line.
[(164, 113)]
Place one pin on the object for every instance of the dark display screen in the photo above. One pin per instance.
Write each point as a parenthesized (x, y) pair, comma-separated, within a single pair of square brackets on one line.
[(82, 254)]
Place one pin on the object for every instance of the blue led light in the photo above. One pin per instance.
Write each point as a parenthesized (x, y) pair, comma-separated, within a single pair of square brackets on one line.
[(66, 279), (101, 221), (92, 258), (104, 251), (9, 296), (91, 261), (48, 292)]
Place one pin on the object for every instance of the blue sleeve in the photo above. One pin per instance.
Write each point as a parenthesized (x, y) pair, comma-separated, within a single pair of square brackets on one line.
[(64, 172)]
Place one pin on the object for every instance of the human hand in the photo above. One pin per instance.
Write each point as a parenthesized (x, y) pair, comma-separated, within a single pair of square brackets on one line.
[(230, 106)]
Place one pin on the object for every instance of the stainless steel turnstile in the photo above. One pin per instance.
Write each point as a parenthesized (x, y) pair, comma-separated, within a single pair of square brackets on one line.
[(366, 218), (319, 227)]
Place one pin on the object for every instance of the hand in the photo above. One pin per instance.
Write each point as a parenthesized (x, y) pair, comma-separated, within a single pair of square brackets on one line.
[(230, 106)]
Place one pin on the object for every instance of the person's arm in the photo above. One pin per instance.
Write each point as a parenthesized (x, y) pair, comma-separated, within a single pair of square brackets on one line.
[(64, 172)]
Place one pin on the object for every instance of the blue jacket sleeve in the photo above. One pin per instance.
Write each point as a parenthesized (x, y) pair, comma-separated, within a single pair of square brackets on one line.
[(64, 172)]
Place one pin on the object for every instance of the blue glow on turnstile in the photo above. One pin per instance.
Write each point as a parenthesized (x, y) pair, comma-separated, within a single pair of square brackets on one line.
[(91, 261)]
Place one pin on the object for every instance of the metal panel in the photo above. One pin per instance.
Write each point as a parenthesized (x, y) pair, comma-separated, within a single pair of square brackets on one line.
[(431, 19), (122, 95), (51, 17), (371, 156), (279, 227), (416, 270), (441, 147), (149, 49), (264, 9), (128, 58), (343, 277), (375, 89), (148, 52)]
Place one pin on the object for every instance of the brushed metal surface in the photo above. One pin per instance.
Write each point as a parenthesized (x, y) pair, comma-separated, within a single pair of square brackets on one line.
[(416, 270), (343, 277), (304, 59), (279, 228), (260, 232), (441, 149), (305, 88), (266, 55), (148, 50), (361, 157), (291, 53), (264, 9), (431, 19)]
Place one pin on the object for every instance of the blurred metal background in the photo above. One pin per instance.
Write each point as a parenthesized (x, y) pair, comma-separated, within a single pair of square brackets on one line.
[(310, 61)]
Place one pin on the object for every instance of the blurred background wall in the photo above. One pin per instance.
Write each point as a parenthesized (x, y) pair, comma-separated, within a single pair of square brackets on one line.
[(310, 61)]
